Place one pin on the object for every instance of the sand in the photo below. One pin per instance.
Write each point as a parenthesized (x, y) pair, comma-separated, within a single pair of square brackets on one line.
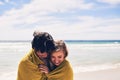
[(111, 74)]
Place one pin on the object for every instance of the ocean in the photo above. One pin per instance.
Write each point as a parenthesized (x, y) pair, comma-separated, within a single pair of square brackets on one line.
[(84, 56)]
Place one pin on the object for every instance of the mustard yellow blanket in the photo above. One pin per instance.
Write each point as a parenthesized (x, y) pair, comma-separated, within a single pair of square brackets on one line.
[(28, 69)]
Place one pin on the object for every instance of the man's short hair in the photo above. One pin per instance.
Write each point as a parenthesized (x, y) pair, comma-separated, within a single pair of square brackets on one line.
[(43, 42)]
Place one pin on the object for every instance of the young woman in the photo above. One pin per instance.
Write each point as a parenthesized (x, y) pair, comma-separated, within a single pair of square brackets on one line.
[(59, 66)]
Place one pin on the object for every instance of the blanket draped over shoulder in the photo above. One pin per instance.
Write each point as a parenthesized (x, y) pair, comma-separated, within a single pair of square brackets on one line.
[(28, 69)]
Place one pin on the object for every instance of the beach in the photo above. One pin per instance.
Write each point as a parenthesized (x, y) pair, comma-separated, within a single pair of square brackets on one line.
[(111, 74), (89, 60)]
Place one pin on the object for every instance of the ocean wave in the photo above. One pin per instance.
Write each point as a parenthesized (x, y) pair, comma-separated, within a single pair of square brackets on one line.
[(93, 46), (8, 76), (90, 68)]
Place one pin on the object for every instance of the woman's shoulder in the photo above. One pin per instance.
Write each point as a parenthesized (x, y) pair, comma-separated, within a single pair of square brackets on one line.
[(66, 61)]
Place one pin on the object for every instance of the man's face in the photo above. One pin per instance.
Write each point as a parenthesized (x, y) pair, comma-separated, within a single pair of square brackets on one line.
[(41, 55)]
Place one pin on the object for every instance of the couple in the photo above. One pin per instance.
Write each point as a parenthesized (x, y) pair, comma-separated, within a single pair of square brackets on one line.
[(46, 60)]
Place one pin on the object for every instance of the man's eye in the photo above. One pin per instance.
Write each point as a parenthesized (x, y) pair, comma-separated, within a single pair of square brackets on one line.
[(52, 57)]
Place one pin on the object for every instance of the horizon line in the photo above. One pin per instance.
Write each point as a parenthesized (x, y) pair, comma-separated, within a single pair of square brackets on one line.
[(64, 40)]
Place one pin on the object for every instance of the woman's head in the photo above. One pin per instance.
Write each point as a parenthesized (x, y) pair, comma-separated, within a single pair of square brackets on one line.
[(60, 53), (42, 42)]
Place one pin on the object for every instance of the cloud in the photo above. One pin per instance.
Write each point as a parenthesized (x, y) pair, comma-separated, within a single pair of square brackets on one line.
[(1, 3), (112, 2), (42, 6), (101, 25), (29, 14), (7, 1), (39, 14), (87, 27), (61, 5)]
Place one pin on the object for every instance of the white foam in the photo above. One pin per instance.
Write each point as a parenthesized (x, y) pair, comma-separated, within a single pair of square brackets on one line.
[(78, 69), (8, 76), (93, 46)]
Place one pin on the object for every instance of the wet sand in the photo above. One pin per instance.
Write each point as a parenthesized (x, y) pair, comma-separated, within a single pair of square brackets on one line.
[(111, 74)]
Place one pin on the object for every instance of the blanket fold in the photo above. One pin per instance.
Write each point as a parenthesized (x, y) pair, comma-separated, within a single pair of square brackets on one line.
[(28, 69)]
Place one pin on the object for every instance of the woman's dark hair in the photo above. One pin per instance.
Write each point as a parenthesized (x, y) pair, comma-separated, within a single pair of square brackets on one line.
[(43, 42)]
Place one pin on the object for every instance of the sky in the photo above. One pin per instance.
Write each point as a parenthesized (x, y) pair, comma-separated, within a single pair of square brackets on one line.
[(63, 19)]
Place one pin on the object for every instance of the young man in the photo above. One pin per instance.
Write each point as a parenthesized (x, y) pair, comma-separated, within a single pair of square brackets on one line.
[(42, 44)]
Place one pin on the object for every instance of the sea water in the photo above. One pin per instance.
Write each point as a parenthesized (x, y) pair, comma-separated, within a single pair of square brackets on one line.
[(94, 55), (84, 56), (11, 53)]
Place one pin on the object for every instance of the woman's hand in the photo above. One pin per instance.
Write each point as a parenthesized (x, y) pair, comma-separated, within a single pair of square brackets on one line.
[(43, 69)]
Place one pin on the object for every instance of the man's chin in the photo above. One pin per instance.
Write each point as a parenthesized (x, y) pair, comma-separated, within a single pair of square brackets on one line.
[(42, 58)]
